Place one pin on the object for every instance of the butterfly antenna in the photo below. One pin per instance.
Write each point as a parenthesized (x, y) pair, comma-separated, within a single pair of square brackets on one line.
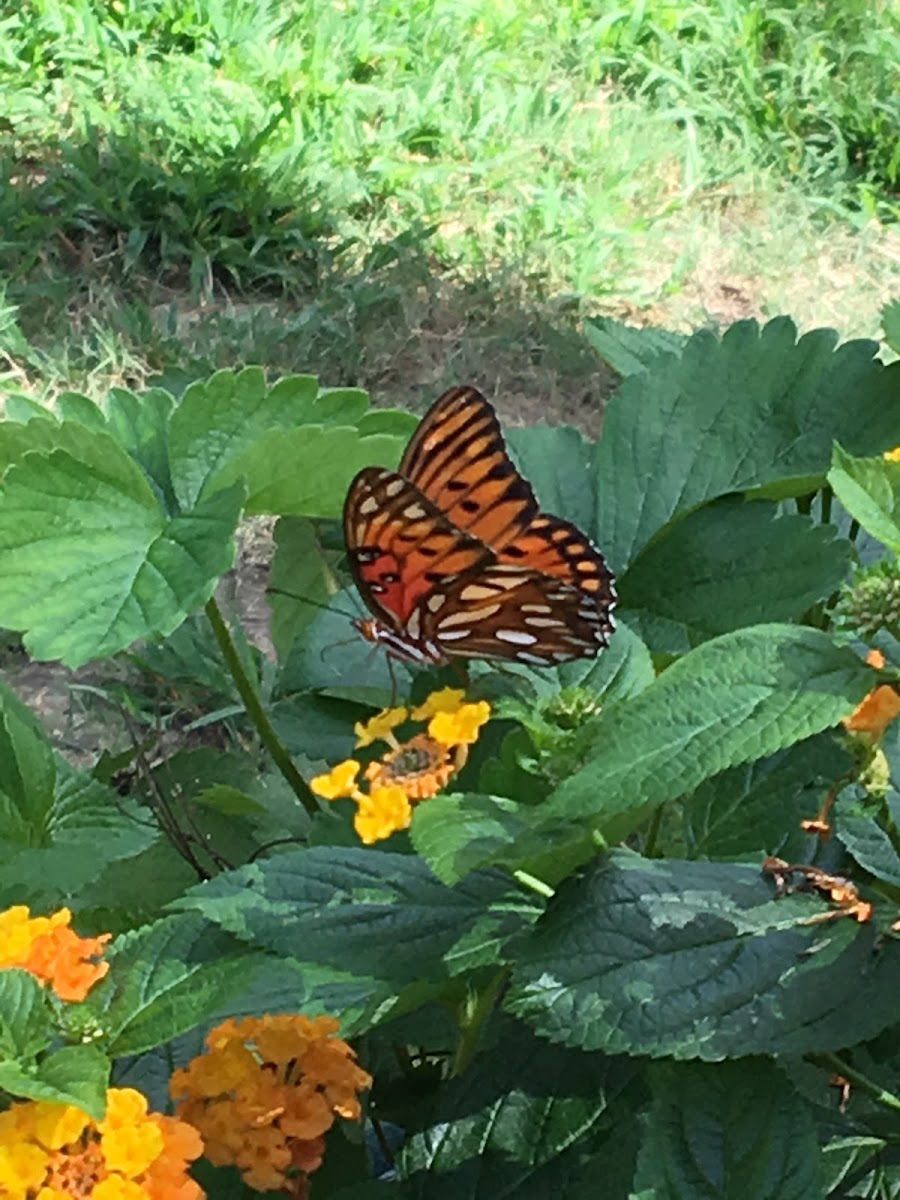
[(276, 591)]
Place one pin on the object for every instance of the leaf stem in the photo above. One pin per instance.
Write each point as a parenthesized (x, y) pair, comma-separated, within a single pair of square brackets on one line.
[(255, 710), (831, 1062)]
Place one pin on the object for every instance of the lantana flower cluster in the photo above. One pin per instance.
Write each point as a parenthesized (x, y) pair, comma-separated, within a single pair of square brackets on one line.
[(57, 1152), (51, 950), (410, 771), (264, 1094)]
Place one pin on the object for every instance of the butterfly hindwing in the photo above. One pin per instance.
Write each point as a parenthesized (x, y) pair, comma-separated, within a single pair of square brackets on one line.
[(505, 611)]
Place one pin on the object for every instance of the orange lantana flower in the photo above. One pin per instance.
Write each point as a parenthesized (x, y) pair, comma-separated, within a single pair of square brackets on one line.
[(51, 950), (876, 710), (265, 1093)]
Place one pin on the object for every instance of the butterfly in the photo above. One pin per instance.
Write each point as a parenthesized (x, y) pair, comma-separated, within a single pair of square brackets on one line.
[(454, 558)]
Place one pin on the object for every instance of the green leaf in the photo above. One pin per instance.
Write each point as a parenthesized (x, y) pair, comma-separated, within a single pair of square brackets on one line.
[(756, 408), (76, 1075), (89, 563), (25, 1026), (556, 460), (301, 581), (74, 406), (165, 979), (729, 565), (456, 834), (627, 349), (338, 906), (735, 699), (521, 1105), (306, 471), (756, 808), (729, 1131), (218, 418), (59, 851), (890, 321), (395, 421), (27, 773), (866, 840), (869, 489), (699, 960), (141, 425), (738, 698)]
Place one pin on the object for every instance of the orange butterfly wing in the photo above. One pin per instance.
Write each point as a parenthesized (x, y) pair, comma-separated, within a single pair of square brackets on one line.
[(454, 557), (457, 457)]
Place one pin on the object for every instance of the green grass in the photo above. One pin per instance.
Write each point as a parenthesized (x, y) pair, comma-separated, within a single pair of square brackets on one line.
[(320, 186)]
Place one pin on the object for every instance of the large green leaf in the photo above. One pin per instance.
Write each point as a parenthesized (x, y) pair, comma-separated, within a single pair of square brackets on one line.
[(869, 489), (629, 349), (734, 699), (729, 565), (220, 417), (556, 461), (338, 906), (756, 408), (521, 1105), (307, 470), (729, 1131), (88, 560), (165, 979), (756, 808), (699, 960)]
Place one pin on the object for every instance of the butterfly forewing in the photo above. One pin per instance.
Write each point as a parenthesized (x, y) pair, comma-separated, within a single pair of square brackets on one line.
[(458, 459), (400, 546)]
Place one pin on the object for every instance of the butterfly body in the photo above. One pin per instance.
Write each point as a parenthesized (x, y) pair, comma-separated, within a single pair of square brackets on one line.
[(454, 558)]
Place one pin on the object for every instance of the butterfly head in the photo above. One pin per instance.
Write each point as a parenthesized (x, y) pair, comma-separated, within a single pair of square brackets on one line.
[(401, 647)]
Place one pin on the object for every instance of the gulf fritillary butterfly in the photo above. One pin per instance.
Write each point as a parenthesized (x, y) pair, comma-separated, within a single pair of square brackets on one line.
[(454, 558)]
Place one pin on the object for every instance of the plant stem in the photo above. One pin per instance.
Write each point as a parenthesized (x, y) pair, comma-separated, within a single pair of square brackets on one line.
[(255, 710), (831, 1062), (478, 1008), (653, 832), (827, 497)]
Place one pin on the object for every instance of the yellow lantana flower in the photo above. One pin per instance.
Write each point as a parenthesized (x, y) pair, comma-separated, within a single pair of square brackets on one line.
[(410, 771), (56, 1151), (340, 781), (893, 455), (460, 728), (380, 728), (446, 700), (381, 813)]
